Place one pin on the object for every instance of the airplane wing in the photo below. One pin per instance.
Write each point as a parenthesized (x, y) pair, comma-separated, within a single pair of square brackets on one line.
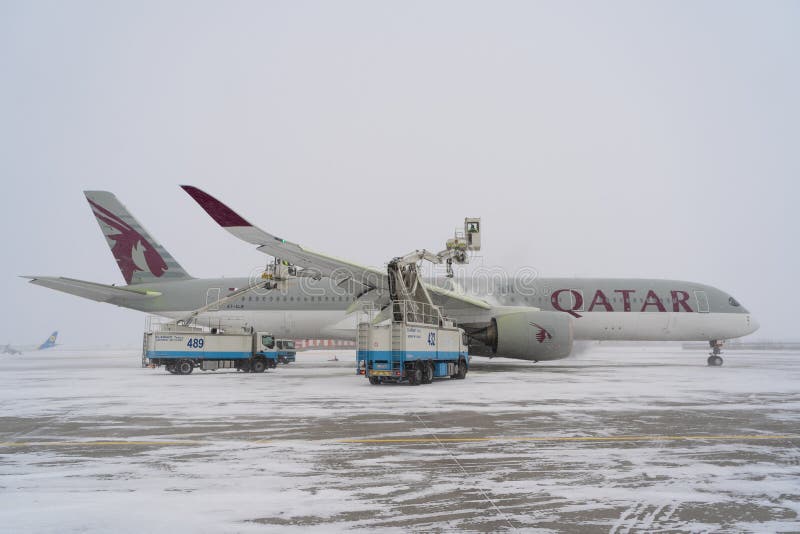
[(339, 270), (90, 290), (359, 278), (449, 299)]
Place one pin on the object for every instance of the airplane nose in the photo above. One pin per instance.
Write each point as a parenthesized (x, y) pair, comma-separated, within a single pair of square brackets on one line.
[(752, 324)]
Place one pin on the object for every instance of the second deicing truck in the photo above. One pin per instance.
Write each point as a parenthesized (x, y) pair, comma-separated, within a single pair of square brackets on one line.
[(182, 349)]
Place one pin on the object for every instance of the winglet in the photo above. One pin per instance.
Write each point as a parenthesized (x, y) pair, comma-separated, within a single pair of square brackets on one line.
[(218, 211)]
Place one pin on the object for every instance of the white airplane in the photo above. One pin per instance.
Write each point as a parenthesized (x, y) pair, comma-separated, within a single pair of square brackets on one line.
[(48, 343), (532, 321)]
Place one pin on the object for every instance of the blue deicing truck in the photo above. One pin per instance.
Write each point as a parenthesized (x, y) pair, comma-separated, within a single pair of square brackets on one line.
[(180, 350), (418, 350)]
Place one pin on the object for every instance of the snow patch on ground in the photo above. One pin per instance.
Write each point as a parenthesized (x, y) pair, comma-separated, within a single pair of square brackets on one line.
[(265, 453)]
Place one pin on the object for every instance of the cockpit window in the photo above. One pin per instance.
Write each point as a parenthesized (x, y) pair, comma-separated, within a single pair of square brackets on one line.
[(733, 302)]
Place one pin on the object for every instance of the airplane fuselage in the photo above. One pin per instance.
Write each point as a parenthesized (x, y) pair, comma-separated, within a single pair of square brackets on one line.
[(602, 308)]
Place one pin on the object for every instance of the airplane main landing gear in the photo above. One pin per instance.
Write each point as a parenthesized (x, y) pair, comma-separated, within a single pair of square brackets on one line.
[(714, 358)]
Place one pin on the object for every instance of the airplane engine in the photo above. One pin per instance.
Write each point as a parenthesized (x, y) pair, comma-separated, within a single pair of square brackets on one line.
[(533, 335)]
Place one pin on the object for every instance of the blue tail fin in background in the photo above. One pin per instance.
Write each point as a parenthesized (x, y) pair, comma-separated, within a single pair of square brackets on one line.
[(51, 341)]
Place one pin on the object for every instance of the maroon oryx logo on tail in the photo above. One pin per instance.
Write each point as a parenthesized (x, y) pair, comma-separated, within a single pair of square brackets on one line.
[(132, 251), (542, 335)]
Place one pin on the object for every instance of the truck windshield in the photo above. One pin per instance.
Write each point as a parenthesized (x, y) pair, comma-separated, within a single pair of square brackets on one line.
[(268, 341)]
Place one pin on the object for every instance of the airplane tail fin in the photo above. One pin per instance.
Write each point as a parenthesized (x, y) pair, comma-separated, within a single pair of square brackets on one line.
[(50, 342), (140, 257)]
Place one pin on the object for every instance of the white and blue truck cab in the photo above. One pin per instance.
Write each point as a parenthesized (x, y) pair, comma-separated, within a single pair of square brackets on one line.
[(286, 350), (182, 349)]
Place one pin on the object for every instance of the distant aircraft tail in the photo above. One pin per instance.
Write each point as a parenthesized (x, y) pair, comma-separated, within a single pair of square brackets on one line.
[(50, 342), (140, 258)]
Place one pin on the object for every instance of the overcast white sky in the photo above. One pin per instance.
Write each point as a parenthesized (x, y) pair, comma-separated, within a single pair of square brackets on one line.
[(652, 139)]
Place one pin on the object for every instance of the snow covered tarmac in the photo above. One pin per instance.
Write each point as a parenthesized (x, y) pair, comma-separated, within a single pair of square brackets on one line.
[(619, 439)]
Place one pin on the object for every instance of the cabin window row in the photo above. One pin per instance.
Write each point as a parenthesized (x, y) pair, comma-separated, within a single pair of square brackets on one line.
[(298, 299)]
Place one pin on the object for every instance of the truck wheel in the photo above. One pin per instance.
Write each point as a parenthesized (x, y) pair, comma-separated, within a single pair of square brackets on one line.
[(427, 372), (414, 375), (185, 367), (170, 367), (258, 366), (374, 380), (462, 369)]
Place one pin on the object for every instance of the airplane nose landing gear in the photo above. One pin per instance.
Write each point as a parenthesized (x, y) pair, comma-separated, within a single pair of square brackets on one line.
[(714, 358)]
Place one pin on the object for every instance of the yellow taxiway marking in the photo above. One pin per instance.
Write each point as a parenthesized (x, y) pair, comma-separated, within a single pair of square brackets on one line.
[(573, 438), (121, 443)]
